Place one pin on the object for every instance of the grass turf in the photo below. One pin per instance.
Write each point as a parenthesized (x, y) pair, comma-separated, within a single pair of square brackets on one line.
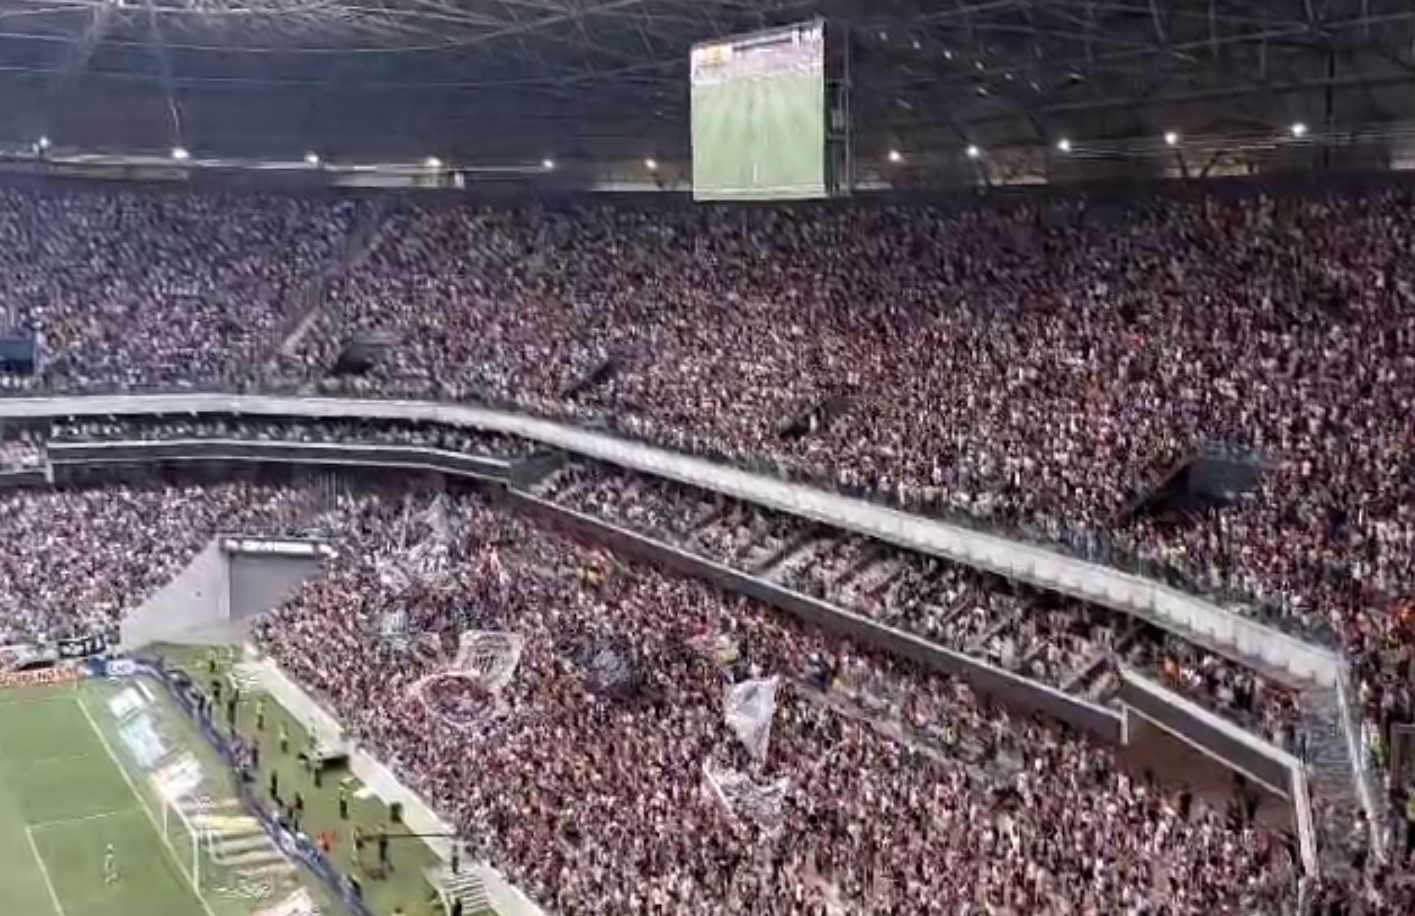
[(63, 799), (405, 886)]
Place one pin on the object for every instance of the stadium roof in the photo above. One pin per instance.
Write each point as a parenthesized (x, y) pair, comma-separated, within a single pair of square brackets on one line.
[(518, 80)]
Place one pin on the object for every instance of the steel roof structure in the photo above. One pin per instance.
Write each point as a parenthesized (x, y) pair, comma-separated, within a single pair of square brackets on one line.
[(518, 80)]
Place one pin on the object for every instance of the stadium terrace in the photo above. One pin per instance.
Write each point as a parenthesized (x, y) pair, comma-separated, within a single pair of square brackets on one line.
[(1026, 365)]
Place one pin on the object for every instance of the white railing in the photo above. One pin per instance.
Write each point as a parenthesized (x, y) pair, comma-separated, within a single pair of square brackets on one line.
[(1049, 569)]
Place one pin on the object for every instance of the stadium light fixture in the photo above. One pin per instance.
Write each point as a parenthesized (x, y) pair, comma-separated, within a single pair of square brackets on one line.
[(42, 143), (1298, 130), (432, 162), (1170, 138), (895, 156), (312, 158), (180, 153), (1064, 145), (651, 164), (548, 164), (973, 151)]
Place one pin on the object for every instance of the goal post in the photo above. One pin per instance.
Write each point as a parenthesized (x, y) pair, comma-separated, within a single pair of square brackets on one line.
[(185, 839)]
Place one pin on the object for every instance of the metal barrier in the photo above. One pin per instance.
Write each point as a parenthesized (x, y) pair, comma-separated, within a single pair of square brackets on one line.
[(1048, 568), (1261, 761), (296, 847)]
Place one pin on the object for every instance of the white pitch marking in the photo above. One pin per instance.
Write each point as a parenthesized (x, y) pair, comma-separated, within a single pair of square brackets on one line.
[(64, 821), (44, 872)]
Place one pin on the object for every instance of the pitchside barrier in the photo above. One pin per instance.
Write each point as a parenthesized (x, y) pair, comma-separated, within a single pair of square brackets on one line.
[(505, 898), (296, 848)]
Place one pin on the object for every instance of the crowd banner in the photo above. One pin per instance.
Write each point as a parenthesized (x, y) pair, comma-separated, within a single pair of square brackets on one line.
[(27, 657)]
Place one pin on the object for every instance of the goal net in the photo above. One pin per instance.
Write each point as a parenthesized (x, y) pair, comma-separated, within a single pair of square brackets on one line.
[(224, 852), (184, 838)]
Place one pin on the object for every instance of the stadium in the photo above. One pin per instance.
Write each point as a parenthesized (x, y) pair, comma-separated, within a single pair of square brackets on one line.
[(589, 457)]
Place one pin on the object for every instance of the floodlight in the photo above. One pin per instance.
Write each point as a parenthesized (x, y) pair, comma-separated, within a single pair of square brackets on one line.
[(180, 154), (1170, 138), (1299, 129), (895, 156), (43, 143), (651, 164), (432, 162), (312, 158), (547, 164), (973, 152)]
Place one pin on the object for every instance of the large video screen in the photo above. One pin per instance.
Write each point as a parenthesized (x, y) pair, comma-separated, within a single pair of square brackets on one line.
[(758, 126)]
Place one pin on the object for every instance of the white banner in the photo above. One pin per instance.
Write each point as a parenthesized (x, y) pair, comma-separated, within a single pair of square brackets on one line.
[(748, 708)]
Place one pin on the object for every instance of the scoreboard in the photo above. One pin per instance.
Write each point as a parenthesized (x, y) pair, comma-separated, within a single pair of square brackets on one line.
[(759, 115)]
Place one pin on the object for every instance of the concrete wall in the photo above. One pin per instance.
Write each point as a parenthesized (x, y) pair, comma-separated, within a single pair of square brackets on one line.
[(1236, 748), (318, 454), (199, 597), (1008, 688)]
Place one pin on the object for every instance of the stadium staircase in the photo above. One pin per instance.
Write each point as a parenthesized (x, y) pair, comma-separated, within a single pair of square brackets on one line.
[(597, 376), (466, 885), (1211, 476), (814, 418), (1330, 774), (311, 300), (245, 677)]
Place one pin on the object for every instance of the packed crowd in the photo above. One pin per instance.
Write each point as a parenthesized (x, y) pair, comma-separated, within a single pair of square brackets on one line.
[(1033, 366), (155, 288), (595, 803), (1064, 643), (1029, 365), (1131, 335), (72, 562), (277, 429)]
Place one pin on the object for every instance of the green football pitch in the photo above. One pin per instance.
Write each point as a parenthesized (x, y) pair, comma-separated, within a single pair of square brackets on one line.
[(406, 888), (69, 789), (64, 798)]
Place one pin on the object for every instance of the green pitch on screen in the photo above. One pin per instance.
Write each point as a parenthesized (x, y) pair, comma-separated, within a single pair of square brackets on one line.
[(761, 138)]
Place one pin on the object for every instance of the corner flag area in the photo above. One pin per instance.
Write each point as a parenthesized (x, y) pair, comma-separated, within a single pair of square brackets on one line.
[(69, 793)]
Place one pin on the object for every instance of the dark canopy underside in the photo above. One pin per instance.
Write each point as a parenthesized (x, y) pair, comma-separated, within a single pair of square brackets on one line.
[(507, 81)]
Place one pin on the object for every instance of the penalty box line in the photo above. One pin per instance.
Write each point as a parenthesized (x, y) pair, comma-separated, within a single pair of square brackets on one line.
[(81, 819)]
